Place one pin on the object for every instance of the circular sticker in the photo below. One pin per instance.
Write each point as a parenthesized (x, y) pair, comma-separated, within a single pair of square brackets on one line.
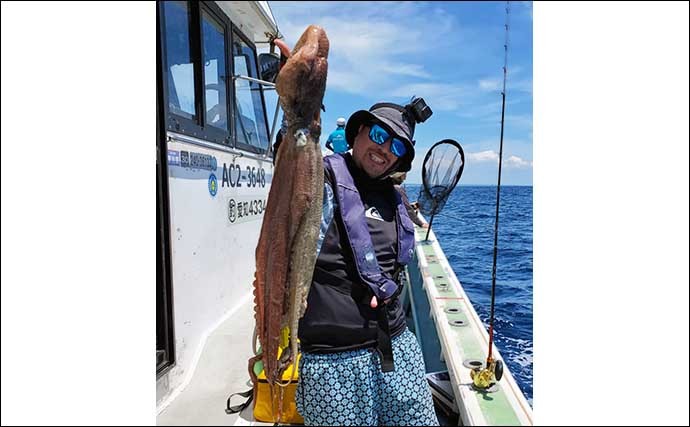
[(232, 215), (212, 185)]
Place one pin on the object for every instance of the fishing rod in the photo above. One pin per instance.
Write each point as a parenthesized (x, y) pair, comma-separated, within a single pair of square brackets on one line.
[(493, 371)]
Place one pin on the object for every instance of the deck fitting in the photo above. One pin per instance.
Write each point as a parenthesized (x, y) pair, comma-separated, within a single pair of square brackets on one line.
[(473, 363), (457, 322)]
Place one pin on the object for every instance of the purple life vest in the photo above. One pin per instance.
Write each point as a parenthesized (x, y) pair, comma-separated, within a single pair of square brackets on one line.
[(352, 214)]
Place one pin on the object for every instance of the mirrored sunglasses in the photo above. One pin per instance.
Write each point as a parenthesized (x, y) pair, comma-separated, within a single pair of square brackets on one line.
[(379, 135)]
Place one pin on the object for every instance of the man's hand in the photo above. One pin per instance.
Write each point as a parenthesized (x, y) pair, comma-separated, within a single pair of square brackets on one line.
[(375, 302)]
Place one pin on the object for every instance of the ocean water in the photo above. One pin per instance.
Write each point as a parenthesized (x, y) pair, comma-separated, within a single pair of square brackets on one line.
[(465, 230)]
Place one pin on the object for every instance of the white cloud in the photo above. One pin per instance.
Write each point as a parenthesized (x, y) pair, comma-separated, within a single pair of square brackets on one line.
[(517, 162), (412, 70), (519, 86), (490, 84), (371, 43), (345, 81), (496, 85), (383, 48), (443, 97), (520, 120), (483, 156), (487, 110), (492, 156)]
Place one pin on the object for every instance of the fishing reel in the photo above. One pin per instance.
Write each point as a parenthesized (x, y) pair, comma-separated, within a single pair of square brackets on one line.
[(485, 379)]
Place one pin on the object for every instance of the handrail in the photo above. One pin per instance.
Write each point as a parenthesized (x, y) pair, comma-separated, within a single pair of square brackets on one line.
[(252, 79), (275, 115)]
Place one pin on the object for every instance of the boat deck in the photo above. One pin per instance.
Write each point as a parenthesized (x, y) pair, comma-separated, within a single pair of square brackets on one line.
[(452, 335), (447, 327), (221, 371)]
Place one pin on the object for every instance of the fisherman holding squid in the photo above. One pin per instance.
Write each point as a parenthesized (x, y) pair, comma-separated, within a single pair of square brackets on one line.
[(334, 242)]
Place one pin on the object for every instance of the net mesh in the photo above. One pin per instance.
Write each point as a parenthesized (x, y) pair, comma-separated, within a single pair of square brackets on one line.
[(441, 171)]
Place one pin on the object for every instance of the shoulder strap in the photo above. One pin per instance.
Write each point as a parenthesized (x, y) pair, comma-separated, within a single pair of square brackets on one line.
[(405, 231), (238, 408)]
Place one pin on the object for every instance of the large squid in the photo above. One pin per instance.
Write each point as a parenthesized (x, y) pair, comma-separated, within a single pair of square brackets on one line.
[(286, 252)]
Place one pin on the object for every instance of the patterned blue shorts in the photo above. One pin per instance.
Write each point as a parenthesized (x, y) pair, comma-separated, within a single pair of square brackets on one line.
[(349, 388)]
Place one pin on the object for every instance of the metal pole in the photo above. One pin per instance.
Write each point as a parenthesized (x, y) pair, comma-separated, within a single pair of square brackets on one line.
[(252, 79), (273, 129), (431, 221)]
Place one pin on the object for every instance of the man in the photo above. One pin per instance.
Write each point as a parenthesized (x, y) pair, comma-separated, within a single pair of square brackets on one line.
[(336, 140), (398, 178), (360, 364)]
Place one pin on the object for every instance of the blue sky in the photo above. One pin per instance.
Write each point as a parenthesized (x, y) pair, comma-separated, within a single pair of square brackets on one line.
[(449, 53)]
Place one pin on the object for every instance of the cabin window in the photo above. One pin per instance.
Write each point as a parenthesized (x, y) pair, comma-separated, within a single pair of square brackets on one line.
[(251, 129), (215, 76), (202, 97), (180, 68)]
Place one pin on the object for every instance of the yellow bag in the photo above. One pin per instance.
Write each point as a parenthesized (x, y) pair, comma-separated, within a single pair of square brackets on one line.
[(263, 407), (261, 392)]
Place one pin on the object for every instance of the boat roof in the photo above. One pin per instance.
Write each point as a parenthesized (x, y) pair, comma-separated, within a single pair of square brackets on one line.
[(253, 18)]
